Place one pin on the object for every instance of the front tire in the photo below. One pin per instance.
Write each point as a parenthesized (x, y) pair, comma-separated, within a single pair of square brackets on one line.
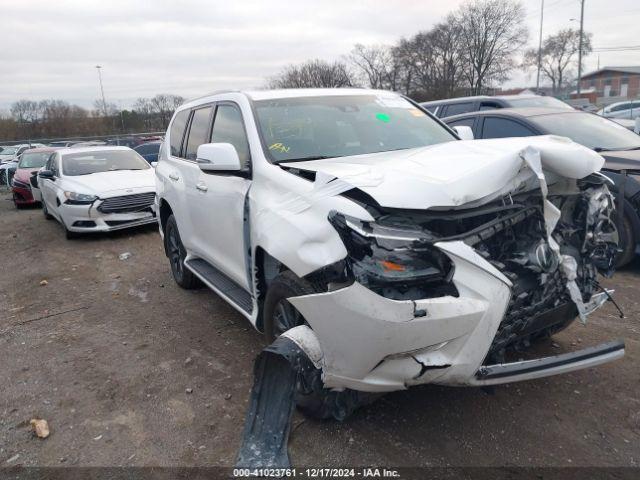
[(177, 253), (312, 398), (627, 243), (45, 211)]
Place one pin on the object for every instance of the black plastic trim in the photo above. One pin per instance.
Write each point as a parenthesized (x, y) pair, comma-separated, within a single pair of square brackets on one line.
[(546, 363)]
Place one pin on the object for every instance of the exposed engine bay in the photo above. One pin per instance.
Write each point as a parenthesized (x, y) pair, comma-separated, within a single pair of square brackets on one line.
[(396, 256)]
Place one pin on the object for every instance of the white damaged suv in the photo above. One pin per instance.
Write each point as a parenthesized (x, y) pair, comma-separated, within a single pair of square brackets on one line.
[(410, 256)]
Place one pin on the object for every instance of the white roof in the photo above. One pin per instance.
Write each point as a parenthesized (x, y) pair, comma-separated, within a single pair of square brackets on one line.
[(312, 92), (287, 93), (67, 151)]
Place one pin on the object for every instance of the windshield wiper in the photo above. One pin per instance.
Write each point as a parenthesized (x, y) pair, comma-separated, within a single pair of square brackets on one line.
[(605, 149), (307, 159)]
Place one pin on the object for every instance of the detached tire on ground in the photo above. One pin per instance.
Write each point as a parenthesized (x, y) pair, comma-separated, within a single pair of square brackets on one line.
[(177, 253), (312, 398)]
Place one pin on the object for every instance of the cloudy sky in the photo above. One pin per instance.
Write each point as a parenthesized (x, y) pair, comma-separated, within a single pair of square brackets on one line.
[(49, 49)]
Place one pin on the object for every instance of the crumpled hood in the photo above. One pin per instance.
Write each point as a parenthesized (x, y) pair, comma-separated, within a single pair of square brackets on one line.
[(106, 184), (455, 173)]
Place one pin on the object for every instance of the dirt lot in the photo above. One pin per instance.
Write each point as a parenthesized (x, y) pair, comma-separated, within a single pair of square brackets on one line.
[(108, 350)]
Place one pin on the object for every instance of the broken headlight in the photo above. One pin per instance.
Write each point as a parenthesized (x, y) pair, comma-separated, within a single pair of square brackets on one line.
[(401, 264)]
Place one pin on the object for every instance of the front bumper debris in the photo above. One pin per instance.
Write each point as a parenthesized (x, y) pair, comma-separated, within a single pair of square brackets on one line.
[(547, 366)]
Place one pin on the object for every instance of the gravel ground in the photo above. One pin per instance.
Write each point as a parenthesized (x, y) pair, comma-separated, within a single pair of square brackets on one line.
[(128, 369)]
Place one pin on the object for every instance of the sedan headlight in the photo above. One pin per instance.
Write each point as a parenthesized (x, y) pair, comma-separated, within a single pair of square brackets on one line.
[(19, 184), (74, 198), (393, 262)]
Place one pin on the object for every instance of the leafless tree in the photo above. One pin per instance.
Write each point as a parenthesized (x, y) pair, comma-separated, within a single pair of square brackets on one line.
[(26, 111), (314, 74), (376, 65), (491, 32), (559, 56)]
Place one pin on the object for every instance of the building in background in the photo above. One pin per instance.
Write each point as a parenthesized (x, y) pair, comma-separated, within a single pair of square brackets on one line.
[(610, 84)]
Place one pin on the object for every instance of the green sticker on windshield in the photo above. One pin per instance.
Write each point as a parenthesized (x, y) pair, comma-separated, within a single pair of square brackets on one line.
[(383, 117)]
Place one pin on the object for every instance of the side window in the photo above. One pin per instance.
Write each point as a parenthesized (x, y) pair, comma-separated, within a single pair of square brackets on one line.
[(456, 108), (622, 106), (177, 131), (229, 128), (465, 122), (54, 165), (197, 132), (489, 106), (495, 127)]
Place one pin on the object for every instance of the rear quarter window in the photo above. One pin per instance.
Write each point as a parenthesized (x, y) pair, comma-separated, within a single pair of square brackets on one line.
[(457, 108), (176, 132)]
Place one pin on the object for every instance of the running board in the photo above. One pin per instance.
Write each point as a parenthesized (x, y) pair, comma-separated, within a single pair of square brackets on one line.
[(547, 366), (221, 284)]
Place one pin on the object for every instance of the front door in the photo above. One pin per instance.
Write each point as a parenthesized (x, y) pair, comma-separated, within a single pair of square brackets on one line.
[(218, 198)]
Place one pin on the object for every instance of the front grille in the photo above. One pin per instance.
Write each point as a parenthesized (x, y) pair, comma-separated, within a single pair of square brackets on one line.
[(127, 203)]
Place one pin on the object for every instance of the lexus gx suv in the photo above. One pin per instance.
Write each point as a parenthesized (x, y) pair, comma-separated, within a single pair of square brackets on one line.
[(397, 253)]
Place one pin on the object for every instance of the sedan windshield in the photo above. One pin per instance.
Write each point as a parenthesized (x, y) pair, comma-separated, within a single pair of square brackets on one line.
[(34, 160), (309, 128), (589, 130), (86, 163), (8, 151), (546, 102)]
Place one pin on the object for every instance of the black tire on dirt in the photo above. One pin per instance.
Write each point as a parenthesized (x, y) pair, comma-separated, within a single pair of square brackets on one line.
[(69, 234), (177, 253), (45, 211), (627, 243), (312, 398), (279, 314)]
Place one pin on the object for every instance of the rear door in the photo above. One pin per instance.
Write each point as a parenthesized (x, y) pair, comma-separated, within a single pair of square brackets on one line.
[(170, 174), (218, 199)]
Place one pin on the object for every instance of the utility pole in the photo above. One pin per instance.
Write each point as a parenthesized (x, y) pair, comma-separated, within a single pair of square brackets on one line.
[(580, 46), (104, 103), (540, 49)]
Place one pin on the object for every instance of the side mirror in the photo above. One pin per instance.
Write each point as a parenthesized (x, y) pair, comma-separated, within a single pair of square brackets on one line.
[(154, 164), (216, 157), (464, 132), (46, 174)]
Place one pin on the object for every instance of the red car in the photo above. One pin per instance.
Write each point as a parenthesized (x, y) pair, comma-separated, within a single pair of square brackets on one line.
[(24, 186)]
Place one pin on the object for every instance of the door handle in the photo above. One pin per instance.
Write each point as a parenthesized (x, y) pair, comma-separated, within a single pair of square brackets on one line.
[(202, 186), (174, 176)]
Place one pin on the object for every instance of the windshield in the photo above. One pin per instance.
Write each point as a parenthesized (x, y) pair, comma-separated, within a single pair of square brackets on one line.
[(8, 151), (34, 160), (86, 163), (589, 130), (547, 102), (337, 126)]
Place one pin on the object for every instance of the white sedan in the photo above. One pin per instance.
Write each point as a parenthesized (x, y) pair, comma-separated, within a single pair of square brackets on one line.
[(97, 189)]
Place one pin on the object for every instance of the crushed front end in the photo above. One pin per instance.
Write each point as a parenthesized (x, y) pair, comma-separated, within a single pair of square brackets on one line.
[(446, 295)]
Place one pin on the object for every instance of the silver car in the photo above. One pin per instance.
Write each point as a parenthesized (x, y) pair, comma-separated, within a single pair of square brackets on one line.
[(627, 109)]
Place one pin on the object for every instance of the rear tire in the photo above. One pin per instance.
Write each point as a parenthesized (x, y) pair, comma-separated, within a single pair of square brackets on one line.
[(177, 253), (312, 398)]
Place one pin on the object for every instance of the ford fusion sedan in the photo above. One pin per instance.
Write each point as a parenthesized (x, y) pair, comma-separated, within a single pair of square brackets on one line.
[(24, 186), (97, 189)]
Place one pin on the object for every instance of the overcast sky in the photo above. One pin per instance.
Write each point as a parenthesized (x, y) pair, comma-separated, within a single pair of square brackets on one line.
[(49, 49)]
